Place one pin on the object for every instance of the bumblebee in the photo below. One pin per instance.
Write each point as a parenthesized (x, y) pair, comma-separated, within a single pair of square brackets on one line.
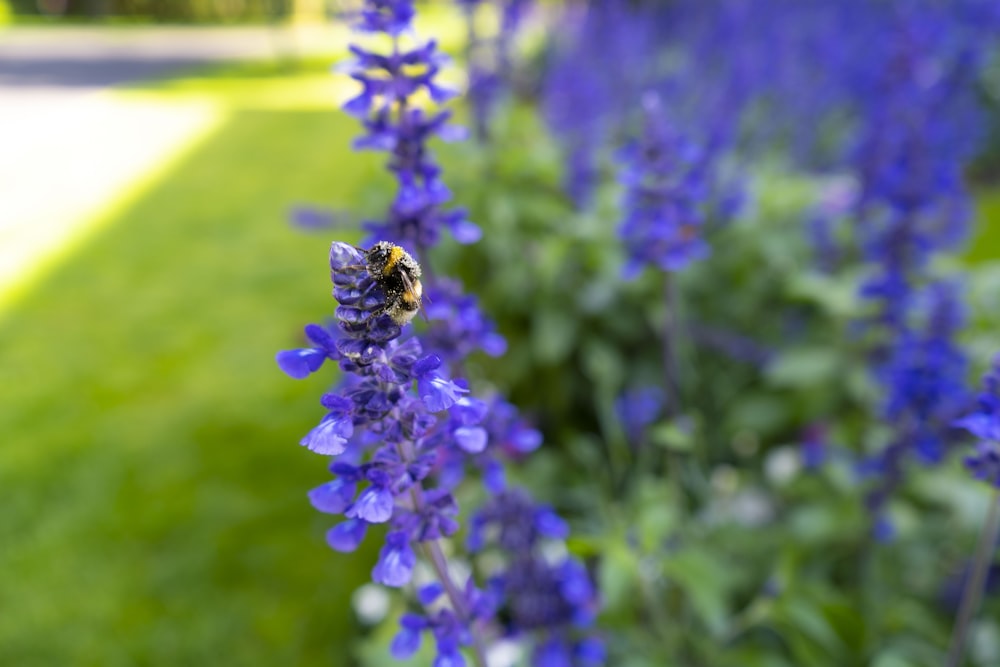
[(398, 274)]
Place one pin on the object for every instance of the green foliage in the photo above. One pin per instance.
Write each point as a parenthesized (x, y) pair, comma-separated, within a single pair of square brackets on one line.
[(712, 545)]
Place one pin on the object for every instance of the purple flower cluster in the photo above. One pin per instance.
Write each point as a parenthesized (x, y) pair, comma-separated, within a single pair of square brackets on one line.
[(376, 409), (390, 441), (489, 59), (548, 598), (919, 129), (458, 325), (396, 125), (667, 80), (584, 100), (636, 409), (384, 430), (915, 97), (984, 424), (666, 181), (923, 377)]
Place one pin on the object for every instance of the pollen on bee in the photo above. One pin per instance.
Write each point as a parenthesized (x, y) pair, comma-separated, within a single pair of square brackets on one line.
[(395, 255)]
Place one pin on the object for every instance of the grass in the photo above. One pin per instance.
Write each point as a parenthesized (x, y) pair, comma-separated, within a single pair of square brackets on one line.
[(985, 245), (154, 494)]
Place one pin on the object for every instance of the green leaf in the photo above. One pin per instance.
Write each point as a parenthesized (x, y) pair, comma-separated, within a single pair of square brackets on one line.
[(804, 367), (806, 616), (836, 296), (603, 364), (891, 658), (670, 436), (704, 580), (618, 577), (553, 335)]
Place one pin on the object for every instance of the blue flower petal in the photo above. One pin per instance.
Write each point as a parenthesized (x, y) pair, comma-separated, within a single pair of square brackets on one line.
[(330, 437), (333, 497), (439, 394), (466, 232), (374, 505), (395, 561), (472, 439), (299, 364), (344, 255), (429, 593), (345, 537), (405, 643)]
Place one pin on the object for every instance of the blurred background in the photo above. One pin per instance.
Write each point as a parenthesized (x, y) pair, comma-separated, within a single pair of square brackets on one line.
[(152, 492)]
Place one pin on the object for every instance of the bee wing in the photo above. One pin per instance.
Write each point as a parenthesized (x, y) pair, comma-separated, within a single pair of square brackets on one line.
[(408, 284)]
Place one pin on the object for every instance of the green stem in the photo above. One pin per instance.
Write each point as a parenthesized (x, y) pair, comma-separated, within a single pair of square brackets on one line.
[(670, 330), (973, 591)]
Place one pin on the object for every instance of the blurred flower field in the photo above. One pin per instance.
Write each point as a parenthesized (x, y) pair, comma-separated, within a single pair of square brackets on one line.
[(154, 496)]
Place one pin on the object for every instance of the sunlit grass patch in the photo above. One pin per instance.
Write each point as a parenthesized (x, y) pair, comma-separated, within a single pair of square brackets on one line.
[(155, 506)]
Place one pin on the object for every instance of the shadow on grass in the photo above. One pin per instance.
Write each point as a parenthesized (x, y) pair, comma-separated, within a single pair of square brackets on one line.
[(154, 508)]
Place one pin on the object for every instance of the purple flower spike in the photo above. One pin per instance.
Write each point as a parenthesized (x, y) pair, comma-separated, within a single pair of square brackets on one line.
[(667, 182), (395, 561), (401, 423)]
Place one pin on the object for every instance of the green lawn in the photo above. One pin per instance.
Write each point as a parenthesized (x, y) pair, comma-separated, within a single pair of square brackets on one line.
[(985, 245), (154, 508)]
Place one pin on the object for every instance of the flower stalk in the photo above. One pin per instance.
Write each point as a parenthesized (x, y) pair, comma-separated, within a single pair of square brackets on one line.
[(972, 593)]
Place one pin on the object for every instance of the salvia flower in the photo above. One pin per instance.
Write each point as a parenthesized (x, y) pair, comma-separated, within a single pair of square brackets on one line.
[(489, 57), (388, 399), (924, 393), (547, 600), (636, 409), (984, 424), (584, 100), (919, 125), (391, 87), (458, 326), (484, 435), (399, 421), (385, 431), (665, 176)]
